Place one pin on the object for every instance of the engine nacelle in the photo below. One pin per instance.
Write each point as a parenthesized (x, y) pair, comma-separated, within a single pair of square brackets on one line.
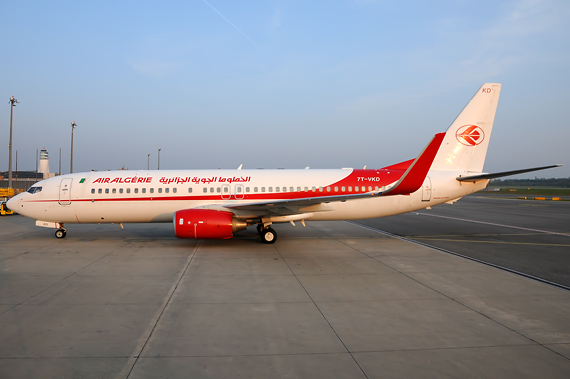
[(206, 223)]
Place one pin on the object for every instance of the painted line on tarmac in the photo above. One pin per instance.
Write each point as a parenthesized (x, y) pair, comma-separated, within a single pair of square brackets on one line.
[(557, 285), (491, 223), (147, 334), (497, 242), (477, 235)]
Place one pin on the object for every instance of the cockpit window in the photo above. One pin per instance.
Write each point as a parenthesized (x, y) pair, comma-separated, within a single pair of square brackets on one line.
[(35, 189)]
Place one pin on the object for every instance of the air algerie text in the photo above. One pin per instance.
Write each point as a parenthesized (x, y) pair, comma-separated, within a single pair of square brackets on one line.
[(134, 179), (197, 180)]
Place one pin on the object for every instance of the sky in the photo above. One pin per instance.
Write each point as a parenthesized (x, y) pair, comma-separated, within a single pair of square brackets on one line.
[(280, 84)]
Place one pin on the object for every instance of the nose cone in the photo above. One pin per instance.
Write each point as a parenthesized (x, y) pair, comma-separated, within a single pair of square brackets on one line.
[(12, 204)]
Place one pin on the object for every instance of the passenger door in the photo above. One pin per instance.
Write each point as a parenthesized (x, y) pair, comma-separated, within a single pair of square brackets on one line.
[(426, 189), (65, 191)]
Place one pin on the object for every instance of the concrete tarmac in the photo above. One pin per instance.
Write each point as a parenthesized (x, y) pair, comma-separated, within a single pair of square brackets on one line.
[(528, 236), (332, 300)]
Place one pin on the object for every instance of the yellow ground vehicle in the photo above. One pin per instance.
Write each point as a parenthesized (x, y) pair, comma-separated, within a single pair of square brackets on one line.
[(4, 209), (7, 192)]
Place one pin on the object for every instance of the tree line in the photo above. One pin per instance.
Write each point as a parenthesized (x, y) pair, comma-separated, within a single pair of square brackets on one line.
[(552, 182)]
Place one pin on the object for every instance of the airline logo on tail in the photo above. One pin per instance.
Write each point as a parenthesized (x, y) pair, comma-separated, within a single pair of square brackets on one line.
[(470, 135)]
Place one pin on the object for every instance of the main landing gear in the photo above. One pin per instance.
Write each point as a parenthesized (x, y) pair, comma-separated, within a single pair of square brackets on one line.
[(267, 234), (61, 233)]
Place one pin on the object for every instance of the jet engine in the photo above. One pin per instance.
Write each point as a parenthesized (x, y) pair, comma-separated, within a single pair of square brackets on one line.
[(206, 223)]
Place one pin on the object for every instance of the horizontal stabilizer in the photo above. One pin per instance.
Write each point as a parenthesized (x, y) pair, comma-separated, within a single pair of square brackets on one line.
[(479, 177)]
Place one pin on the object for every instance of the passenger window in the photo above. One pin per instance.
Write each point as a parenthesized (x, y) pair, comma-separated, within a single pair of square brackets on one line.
[(100, 190), (136, 190), (92, 190), (314, 189), (255, 189), (363, 189), (246, 189), (306, 189), (376, 188), (189, 190), (144, 190), (298, 189), (262, 189), (238, 189), (160, 190), (152, 190), (120, 190), (212, 189), (291, 189), (174, 190), (226, 189), (276, 189), (335, 189), (343, 189), (205, 190), (320, 189), (166, 190), (114, 190), (106, 190), (328, 189), (270, 189), (128, 190), (369, 188), (349, 188)]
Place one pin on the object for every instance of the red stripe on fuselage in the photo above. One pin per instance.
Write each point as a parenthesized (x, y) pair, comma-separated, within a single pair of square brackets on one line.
[(369, 179)]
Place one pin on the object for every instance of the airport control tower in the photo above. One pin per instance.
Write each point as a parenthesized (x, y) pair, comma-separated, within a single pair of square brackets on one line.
[(44, 163)]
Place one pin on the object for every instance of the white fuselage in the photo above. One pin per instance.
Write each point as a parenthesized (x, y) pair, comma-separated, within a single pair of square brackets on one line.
[(154, 196)]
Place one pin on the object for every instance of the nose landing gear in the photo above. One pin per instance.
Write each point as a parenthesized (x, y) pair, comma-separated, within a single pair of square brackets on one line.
[(60, 233)]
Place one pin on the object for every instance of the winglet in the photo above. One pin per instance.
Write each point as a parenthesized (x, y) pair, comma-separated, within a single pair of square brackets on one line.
[(415, 175)]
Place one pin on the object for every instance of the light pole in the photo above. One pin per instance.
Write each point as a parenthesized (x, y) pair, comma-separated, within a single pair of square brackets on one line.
[(148, 163), (73, 125), (13, 103), (159, 158)]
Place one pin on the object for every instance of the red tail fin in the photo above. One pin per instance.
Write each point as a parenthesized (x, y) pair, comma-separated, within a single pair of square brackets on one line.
[(414, 177)]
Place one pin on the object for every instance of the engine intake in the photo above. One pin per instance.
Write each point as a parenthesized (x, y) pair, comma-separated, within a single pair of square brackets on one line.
[(206, 223)]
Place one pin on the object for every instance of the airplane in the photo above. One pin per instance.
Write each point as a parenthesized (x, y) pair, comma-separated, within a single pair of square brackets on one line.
[(216, 204)]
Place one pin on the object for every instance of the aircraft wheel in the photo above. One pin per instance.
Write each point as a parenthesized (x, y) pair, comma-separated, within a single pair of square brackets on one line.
[(60, 233), (268, 235)]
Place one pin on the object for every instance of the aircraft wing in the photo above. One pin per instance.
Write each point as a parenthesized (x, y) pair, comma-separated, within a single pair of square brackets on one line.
[(411, 181), (479, 177)]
